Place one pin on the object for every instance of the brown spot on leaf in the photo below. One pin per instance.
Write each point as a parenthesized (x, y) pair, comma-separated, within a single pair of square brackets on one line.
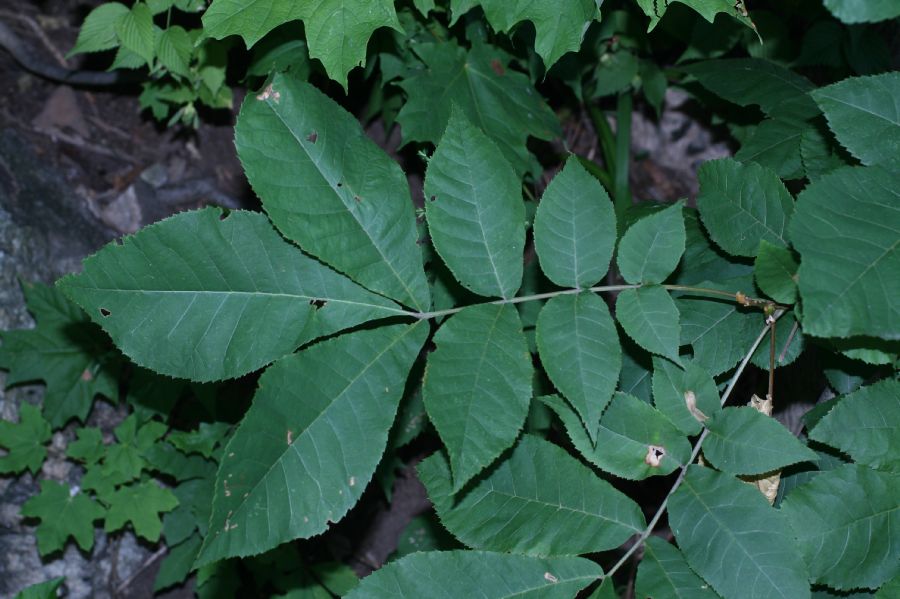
[(290, 436), (690, 400), (312, 137), (104, 312), (318, 303), (86, 375), (550, 577), (497, 67), (269, 93), (654, 456)]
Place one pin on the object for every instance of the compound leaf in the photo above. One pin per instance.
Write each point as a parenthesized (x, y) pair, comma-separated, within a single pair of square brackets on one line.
[(337, 31), (65, 350), (847, 230), (474, 210), (518, 506), (140, 504), (498, 100), (664, 574), (864, 426), (24, 441), (864, 114), (308, 446), (741, 204), (477, 386), (775, 271), (719, 520), (746, 441), (63, 514), (847, 523), (331, 189), (482, 574), (649, 316), (580, 351), (560, 26), (652, 247), (199, 297), (674, 387), (575, 228)]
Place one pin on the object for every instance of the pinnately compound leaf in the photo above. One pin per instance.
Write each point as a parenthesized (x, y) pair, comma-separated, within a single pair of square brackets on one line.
[(864, 114), (734, 539), (575, 228), (310, 442), (847, 230), (474, 210), (477, 386), (746, 441), (537, 501), (328, 187), (649, 316), (579, 349), (864, 425), (652, 247), (740, 204), (664, 574), (848, 522), (198, 297), (482, 574)]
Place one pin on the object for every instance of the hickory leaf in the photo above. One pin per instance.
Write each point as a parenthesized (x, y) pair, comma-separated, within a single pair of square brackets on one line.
[(746, 441), (482, 574), (847, 231), (498, 100), (328, 187), (63, 514), (846, 521), (474, 210), (664, 574), (652, 247), (308, 446), (478, 386), (65, 350), (674, 387), (24, 441), (741, 204), (864, 426), (718, 519), (864, 114), (575, 228), (227, 295), (560, 26), (579, 349), (649, 316), (517, 507)]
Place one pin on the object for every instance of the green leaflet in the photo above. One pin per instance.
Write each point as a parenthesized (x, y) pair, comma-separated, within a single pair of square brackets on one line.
[(775, 272), (719, 520), (310, 442), (740, 204), (174, 49), (199, 297), (637, 371), (140, 504), (480, 574), (63, 514), (579, 349), (708, 9), (498, 100), (98, 32), (664, 574), (24, 441), (66, 351), (474, 210), (775, 144), (703, 260), (560, 26), (135, 32), (517, 507), (328, 187), (652, 247), (864, 114), (854, 11), (780, 92), (864, 425), (628, 429), (649, 316), (847, 524), (477, 386), (575, 228), (746, 441), (671, 388), (847, 230), (42, 590), (820, 153), (337, 31)]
